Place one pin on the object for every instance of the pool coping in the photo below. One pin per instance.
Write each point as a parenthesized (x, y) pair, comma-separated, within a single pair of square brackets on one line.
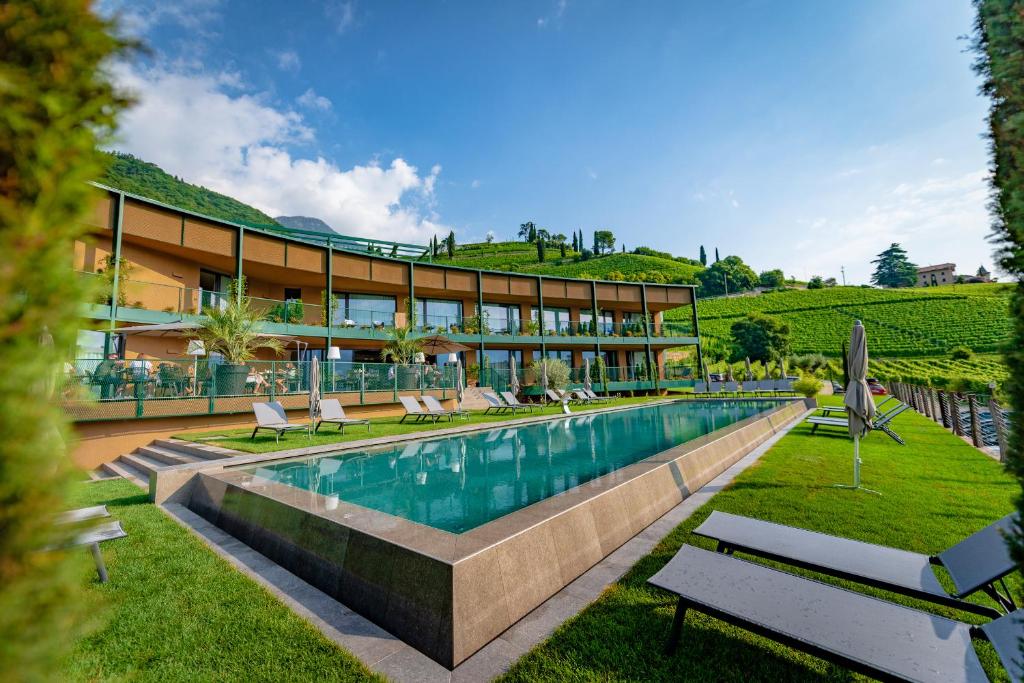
[(448, 594), (387, 654)]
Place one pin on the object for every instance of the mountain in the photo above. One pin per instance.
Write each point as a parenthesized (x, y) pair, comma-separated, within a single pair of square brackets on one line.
[(305, 223), (130, 174)]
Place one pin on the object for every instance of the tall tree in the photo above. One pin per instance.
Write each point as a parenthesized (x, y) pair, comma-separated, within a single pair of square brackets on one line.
[(57, 106), (575, 242), (526, 230), (561, 248), (540, 250), (581, 240), (544, 235), (759, 337), (604, 240), (730, 274), (999, 45), (449, 244), (703, 256), (597, 245), (716, 255), (533, 233), (894, 269)]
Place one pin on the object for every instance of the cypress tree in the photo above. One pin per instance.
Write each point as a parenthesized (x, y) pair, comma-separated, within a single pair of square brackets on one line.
[(703, 256), (450, 244), (561, 248), (540, 250), (597, 245), (533, 232), (716, 255), (575, 244)]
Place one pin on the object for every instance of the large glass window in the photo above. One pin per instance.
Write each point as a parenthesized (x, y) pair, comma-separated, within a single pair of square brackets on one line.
[(556, 320), (364, 309), (605, 323), (439, 315), (500, 358), (564, 355), (501, 318)]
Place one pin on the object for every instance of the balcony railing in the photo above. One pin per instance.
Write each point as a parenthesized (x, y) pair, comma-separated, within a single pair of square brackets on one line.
[(96, 389)]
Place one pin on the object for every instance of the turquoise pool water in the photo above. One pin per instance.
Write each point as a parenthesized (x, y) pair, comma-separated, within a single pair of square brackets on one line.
[(459, 482)]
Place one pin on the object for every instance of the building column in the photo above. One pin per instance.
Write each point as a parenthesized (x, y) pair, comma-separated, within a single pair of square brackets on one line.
[(411, 319), (238, 264), (480, 308), (647, 332), (696, 332), (540, 314), (328, 296), (115, 288)]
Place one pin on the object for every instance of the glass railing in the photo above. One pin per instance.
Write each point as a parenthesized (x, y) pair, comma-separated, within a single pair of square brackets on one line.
[(94, 388), (290, 312), (364, 319), (439, 324)]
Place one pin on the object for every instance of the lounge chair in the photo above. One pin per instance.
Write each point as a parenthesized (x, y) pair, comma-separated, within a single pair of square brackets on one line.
[(731, 388), (107, 531), (871, 636), (271, 416), (552, 397), (594, 397), (880, 422), (784, 386), (434, 406), (842, 408), (496, 404), (511, 400), (976, 563), (331, 411), (414, 409), (715, 388), (764, 386), (700, 388), (578, 397)]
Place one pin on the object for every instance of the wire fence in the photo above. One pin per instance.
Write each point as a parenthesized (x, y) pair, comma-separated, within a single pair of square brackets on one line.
[(98, 389), (978, 418)]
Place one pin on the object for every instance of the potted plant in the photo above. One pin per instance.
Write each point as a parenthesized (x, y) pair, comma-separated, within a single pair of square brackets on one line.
[(401, 348), (124, 270), (233, 332), (530, 327)]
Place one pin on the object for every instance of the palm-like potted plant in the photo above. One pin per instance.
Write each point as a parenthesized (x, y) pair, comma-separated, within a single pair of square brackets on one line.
[(401, 348), (233, 332)]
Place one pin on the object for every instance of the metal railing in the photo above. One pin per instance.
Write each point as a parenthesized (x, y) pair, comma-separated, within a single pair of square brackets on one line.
[(97, 389), (976, 417)]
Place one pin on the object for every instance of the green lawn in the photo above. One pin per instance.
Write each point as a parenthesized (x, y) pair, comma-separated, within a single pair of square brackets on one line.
[(264, 442), (935, 491), (174, 611)]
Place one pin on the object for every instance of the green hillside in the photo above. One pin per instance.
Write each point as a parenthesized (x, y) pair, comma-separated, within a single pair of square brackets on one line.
[(522, 258), (142, 178), (900, 323)]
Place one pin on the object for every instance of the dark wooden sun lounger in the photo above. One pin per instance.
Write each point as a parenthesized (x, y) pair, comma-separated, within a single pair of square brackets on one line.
[(977, 563), (868, 635), (881, 422)]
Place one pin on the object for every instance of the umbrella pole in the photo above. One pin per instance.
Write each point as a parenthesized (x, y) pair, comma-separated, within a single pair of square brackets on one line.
[(856, 471)]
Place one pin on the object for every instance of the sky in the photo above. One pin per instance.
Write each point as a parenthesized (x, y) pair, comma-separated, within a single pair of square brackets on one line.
[(801, 135)]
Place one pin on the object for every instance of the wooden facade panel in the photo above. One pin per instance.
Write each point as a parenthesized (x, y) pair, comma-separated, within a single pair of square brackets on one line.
[(306, 258), (427, 277), (657, 295), (522, 286), (496, 284), (102, 213), (577, 290), (629, 293), (460, 281), (392, 273), (263, 249), (348, 265), (554, 289), (209, 237), (607, 293), (152, 223), (679, 295)]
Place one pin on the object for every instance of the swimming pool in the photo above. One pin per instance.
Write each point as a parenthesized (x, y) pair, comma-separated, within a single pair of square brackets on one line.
[(461, 482)]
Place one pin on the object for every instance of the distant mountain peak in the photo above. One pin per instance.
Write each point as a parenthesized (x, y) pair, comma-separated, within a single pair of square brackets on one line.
[(305, 223)]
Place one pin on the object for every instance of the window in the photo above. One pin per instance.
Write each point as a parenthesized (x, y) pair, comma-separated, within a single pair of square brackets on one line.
[(213, 290), (556, 320), (501, 318), (293, 294), (439, 314), (363, 310), (558, 354), (500, 358)]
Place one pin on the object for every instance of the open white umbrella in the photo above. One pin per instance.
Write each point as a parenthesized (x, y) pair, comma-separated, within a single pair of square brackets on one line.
[(586, 374), (314, 389), (860, 407), (513, 377)]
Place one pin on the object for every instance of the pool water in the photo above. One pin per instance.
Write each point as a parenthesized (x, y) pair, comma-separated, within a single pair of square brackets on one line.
[(459, 482)]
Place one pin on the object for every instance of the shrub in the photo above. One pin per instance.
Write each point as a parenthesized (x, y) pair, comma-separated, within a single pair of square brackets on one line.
[(808, 386), (816, 283), (961, 353), (558, 373), (615, 275)]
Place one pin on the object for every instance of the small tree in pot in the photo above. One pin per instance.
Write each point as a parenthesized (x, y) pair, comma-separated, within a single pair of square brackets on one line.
[(401, 348), (233, 332)]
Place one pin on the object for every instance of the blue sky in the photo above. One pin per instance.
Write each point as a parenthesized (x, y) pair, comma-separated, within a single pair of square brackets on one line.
[(801, 135)]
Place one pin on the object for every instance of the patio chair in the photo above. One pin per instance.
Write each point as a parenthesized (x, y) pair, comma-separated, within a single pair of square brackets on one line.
[(595, 398), (784, 386), (496, 404), (842, 408), (271, 416), (764, 386), (434, 406), (871, 636), (714, 388), (331, 411), (554, 398), (108, 531), (881, 422), (700, 388), (511, 400), (414, 409), (578, 397), (976, 563), (731, 388)]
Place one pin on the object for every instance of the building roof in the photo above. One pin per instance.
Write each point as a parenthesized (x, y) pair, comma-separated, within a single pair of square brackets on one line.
[(938, 266)]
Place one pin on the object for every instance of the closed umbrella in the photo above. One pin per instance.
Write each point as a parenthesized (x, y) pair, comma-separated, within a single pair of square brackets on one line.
[(544, 374), (707, 375), (728, 373), (513, 377), (586, 374), (460, 385), (782, 368), (860, 408), (314, 389), (750, 371)]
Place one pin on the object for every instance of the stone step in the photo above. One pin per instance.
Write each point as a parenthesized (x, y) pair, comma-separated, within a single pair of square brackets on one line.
[(201, 451), (120, 469), (166, 455), (145, 465)]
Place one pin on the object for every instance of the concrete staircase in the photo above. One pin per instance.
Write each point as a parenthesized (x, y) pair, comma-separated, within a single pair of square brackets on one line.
[(472, 399), (162, 453)]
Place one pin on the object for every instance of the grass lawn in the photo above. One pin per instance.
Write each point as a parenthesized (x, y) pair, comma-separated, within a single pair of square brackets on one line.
[(935, 491), (239, 439), (174, 611)]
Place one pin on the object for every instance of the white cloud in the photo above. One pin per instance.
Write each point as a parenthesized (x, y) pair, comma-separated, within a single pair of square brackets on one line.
[(341, 14), (288, 60), (475, 184), (138, 17), (939, 162), (241, 145), (591, 173), (557, 12), (310, 100)]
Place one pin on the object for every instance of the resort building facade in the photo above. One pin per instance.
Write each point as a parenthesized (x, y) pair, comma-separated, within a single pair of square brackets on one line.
[(337, 299)]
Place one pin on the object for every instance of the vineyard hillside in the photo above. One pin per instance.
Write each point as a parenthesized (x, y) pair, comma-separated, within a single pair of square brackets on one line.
[(521, 257), (900, 322)]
